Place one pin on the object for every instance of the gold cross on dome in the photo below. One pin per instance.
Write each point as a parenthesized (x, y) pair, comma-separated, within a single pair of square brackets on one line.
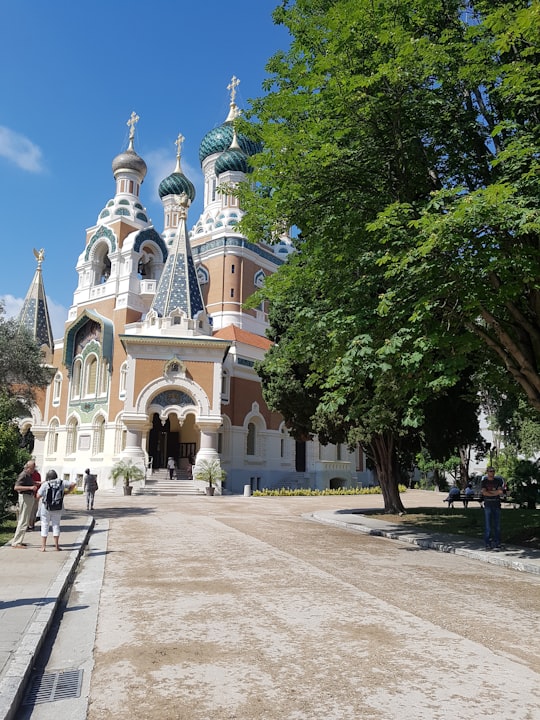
[(133, 120), (178, 142), (235, 82)]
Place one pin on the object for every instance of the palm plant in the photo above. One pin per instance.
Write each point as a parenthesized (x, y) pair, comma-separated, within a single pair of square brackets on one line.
[(127, 470), (209, 471)]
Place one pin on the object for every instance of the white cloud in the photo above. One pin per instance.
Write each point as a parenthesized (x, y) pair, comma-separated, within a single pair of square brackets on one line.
[(57, 313), (12, 305), (20, 150)]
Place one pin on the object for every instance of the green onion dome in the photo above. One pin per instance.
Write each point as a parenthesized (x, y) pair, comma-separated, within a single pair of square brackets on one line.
[(176, 184), (220, 138), (232, 160)]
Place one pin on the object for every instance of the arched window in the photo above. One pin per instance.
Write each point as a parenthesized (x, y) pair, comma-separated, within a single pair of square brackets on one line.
[(52, 438), (251, 439), (98, 440), (123, 380), (103, 378), (102, 264), (120, 436), (203, 275), (225, 385), (57, 388), (91, 375), (71, 436), (76, 379)]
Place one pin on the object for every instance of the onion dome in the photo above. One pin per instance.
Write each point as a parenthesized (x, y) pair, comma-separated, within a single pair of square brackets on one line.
[(234, 159), (129, 160), (177, 183), (220, 138)]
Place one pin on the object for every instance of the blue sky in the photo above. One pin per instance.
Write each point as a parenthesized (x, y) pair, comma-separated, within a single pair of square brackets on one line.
[(72, 73)]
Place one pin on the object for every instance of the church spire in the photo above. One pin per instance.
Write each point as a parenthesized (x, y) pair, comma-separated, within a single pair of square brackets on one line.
[(34, 315), (178, 288)]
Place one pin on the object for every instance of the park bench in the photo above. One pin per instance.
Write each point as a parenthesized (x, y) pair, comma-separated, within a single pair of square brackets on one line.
[(465, 499)]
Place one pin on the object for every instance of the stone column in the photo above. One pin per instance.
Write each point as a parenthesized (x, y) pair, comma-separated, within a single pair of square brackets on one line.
[(209, 427), (135, 426)]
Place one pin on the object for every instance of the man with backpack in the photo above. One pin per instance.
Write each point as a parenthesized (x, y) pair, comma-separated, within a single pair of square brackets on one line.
[(51, 493)]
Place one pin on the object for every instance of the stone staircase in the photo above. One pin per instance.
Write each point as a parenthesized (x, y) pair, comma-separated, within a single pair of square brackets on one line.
[(158, 483)]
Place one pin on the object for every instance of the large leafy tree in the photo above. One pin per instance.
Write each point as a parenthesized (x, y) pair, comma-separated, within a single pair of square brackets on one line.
[(472, 247), (346, 125), (339, 370)]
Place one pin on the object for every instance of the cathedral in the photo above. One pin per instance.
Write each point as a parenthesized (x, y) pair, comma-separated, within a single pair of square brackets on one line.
[(158, 353)]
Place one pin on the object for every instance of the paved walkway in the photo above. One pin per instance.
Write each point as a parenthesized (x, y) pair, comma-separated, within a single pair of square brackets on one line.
[(33, 583)]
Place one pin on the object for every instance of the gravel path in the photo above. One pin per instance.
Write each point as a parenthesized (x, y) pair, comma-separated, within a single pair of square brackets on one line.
[(241, 608)]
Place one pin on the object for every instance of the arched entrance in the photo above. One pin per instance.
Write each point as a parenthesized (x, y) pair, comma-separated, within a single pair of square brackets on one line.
[(171, 438)]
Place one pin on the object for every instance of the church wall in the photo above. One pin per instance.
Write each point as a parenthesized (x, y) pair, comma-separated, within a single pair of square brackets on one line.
[(147, 370), (245, 393), (203, 374), (231, 282)]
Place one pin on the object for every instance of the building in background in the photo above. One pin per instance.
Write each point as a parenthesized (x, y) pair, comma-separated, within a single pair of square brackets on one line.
[(157, 358)]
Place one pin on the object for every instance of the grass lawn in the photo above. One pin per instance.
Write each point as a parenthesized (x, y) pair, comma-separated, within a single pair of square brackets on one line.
[(7, 528), (518, 527)]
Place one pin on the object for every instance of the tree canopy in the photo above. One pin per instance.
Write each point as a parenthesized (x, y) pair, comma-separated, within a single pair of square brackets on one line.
[(22, 370), (21, 374), (401, 139)]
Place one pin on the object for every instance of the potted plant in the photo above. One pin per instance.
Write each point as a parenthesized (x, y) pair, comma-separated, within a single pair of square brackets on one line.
[(210, 472), (125, 469)]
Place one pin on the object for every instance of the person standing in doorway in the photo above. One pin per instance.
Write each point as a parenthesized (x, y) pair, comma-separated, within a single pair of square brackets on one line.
[(90, 485), (492, 489), (24, 485), (171, 466)]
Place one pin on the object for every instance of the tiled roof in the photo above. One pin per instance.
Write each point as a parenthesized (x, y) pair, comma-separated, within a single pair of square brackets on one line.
[(233, 332)]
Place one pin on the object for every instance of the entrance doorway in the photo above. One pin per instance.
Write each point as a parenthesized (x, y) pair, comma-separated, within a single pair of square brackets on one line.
[(170, 439)]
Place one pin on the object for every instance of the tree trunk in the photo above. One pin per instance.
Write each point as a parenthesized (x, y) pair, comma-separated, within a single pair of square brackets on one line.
[(382, 449), (463, 466)]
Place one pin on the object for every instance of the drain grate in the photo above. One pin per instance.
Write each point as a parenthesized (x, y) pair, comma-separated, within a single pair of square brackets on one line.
[(54, 686)]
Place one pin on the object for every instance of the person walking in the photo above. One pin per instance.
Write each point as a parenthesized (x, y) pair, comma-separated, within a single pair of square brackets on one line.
[(24, 485), (492, 489), (36, 478), (171, 466), (90, 485), (51, 493)]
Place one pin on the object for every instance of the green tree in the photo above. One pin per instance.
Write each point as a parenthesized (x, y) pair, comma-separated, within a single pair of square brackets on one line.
[(351, 125), (12, 459), (21, 375), (472, 247)]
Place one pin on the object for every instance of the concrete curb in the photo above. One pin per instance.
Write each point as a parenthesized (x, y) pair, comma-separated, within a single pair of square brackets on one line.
[(511, 557), (20, 667)]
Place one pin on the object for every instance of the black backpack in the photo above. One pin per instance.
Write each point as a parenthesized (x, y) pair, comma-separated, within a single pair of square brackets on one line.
[(54, 497)]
